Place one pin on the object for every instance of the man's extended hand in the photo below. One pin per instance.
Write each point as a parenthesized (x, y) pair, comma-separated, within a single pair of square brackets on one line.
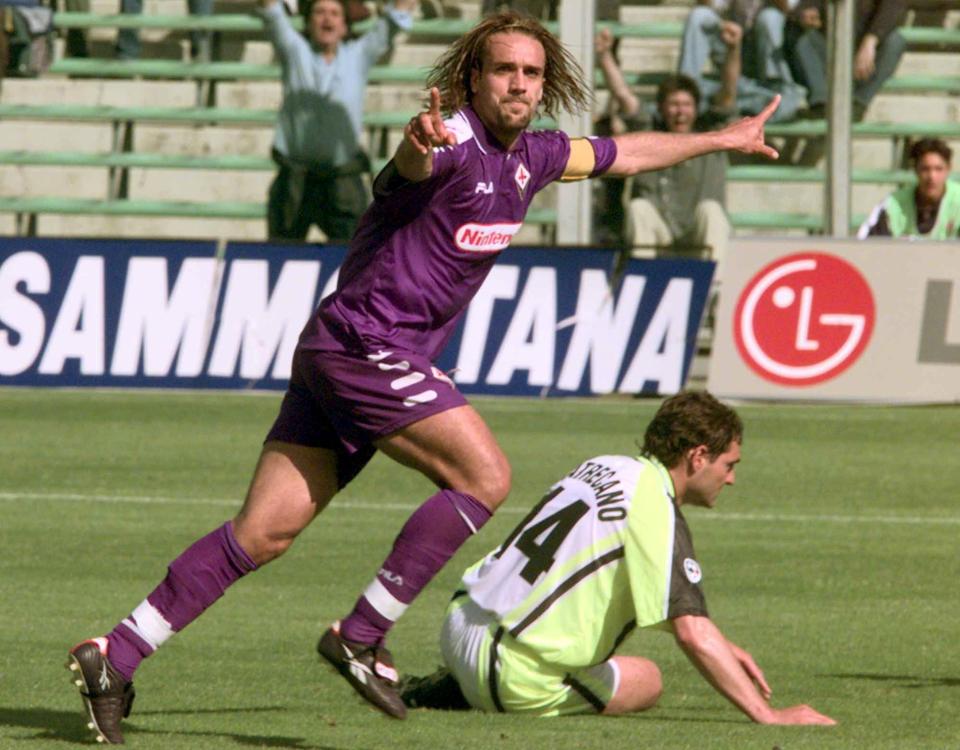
[(864, 62), (426, 130), (747, 134), (802, 714)]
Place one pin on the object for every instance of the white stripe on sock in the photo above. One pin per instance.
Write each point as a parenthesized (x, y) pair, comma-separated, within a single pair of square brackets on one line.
[(383, 601), (149, 624)]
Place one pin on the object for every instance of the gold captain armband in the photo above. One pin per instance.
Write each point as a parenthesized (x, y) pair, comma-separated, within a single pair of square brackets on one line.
[(582, 160)]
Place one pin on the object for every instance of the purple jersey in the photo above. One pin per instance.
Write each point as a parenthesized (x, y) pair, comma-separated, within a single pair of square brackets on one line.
[(423, 249)]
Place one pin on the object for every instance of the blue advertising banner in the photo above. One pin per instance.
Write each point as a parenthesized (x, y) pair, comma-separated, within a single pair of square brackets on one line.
[(129, 313)]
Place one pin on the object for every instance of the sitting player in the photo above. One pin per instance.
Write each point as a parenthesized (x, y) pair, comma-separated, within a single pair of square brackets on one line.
[(535, 625)]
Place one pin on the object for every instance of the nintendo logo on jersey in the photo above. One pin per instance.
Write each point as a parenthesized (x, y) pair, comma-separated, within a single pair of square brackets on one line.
[(804, 319), (485, 238)]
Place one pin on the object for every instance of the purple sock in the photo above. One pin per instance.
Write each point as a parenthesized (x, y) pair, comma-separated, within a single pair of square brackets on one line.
[(194, 581), (430, 537)]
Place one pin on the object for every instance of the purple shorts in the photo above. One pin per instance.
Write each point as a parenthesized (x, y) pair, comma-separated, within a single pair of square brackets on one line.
[(344, 401)]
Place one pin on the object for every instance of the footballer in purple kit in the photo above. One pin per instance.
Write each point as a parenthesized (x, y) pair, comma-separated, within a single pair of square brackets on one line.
[(363, 378)]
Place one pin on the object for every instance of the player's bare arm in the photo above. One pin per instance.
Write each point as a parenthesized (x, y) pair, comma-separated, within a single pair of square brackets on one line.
[(734, 674), (646, 151), (414, 157)]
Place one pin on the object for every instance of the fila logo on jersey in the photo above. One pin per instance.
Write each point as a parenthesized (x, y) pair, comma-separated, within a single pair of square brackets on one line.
[(522, 177), (692, 569), (485, 238), (484, 187)]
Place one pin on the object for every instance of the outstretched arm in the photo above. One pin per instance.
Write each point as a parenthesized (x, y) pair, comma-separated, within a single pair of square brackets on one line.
[(732, 35), (642, 152), (414, 157), (734, 674), (627, 102)]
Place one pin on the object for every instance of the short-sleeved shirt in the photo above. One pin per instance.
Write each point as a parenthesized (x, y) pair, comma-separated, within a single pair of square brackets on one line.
[(423, 249), (607, 549)]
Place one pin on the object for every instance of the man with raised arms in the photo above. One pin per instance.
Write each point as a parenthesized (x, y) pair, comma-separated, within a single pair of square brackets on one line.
[(536, 623), (363, 377)]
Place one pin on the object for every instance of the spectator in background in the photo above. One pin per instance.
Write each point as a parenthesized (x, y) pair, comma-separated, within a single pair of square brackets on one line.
[(76, 39), (879, 47), (681, 207), (546, 10), (931, 210), (764, 71), (317, 141), (4, 47), (128, 40)]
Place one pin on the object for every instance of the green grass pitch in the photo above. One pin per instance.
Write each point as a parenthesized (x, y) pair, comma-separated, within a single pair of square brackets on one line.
[(834, 560)]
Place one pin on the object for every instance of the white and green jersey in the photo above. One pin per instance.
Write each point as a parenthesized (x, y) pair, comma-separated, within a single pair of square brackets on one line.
[(605, 550)]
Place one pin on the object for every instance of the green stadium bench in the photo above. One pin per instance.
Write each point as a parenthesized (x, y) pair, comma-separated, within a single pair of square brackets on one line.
[(54, 205), (396, 120), (30, 207), (131, 160), (180, 209), (807, 128), (929, 35), (234, 162), (238, 22), (379, 74), (103, 113), (435, 27)]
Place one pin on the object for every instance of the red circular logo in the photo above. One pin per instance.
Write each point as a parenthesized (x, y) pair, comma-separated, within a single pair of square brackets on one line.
[(804, 319)]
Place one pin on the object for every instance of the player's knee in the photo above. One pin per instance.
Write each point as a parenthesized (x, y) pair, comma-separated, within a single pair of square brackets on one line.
[(493, 486), (652, 688), (640, 686), (261, 545)]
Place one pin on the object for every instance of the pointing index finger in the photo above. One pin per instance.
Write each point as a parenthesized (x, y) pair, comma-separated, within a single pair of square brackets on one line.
[(770, 108), (435, 102)]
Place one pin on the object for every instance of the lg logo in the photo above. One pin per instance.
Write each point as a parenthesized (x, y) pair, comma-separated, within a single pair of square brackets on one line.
[(804, 319)]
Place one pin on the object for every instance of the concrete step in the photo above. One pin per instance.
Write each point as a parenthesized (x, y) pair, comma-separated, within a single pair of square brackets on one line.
[(149, 227), (249, 94), (417, 54), (798, 198), (198, 185), (31, 182), (643, 55), (98, 91), (77, 136), (914, 108), (929, 63), (639, 14), (203, 141)]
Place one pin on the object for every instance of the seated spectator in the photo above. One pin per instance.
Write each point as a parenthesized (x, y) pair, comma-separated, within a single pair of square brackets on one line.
[(546, 10), (128, 40), (624, 114), (680, 208), (879, 47), (764, 69), (929, 211), (26, 37), (76, 39), (4, 46), (320, 162)]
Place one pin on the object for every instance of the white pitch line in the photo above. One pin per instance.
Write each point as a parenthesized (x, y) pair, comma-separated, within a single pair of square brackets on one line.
[(348, 505)]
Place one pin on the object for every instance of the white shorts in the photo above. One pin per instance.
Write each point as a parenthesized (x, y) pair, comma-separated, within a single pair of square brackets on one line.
[(521, 682)]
